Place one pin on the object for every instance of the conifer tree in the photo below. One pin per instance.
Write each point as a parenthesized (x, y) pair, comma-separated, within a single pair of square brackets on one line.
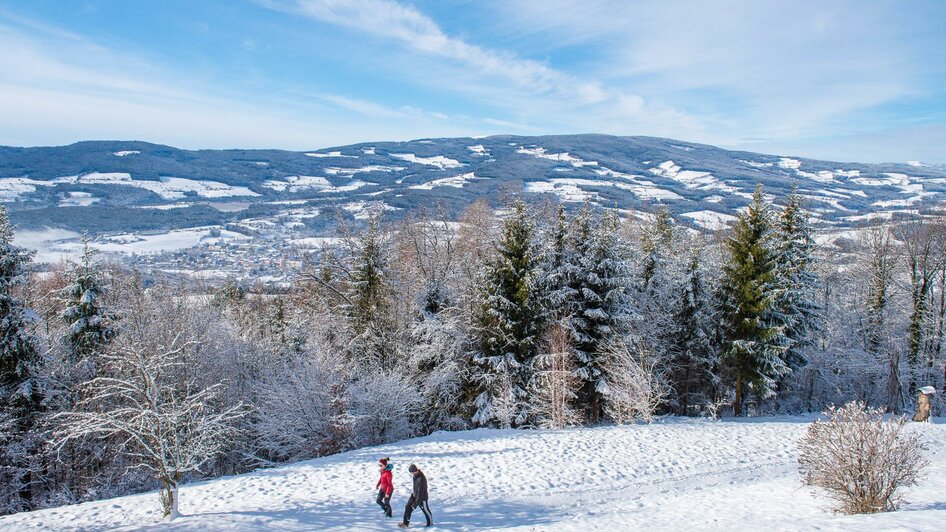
[(797, 309), (509, 323), (369, 298), (20, 393), (600, 281), (18, 350), (694, 350), (90, 324), (754, 343)]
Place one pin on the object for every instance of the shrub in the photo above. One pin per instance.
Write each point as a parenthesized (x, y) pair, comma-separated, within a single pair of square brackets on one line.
[(860, 459)]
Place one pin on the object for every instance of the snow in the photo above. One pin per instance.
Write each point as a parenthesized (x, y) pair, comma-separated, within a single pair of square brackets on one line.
[(670, 475), (928, 390), (332, 154), (756, 164), (438, 161), (368, 151), (363, 169), (789, 163), (125, 153), (917, 163), (171, 188), (479, 150), (362, 210), (564, 157), (455, 181), (710, 219), (78, 199)]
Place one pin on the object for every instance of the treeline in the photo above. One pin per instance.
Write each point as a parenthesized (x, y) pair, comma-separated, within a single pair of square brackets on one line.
[(534, 318)]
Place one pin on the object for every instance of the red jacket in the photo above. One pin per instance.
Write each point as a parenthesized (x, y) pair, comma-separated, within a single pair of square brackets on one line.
[(385, 482)]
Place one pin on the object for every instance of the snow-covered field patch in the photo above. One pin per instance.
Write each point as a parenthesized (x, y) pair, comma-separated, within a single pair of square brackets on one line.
[(125, 153), (670, 475), (331, 154), (438, 161), (564, 157), (78, 199), (710, 219), (455, 181)]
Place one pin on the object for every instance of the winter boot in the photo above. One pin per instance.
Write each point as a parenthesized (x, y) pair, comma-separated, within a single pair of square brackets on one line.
[(402, 525)]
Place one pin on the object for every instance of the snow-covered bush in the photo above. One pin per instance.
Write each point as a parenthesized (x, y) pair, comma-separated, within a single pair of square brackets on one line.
[(300, 411), (636, 384), (860, 459), (383, 406)]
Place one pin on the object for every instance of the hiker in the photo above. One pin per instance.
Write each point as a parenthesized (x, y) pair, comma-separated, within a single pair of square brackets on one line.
[(418, 498), (386, 485)]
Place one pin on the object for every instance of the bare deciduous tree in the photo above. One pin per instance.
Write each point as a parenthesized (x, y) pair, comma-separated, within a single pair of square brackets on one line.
[(161, 419), (636, 383)]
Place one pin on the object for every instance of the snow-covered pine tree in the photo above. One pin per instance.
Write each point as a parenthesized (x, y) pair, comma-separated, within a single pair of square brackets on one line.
[(90, 323), (797, 307), (509, 325), (20, 393), (369, 300), (754, 345), (694, 350), (600, 280), (656, 240)]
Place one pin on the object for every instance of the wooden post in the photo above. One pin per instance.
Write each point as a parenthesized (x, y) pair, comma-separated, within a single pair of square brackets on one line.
[(923, 404)]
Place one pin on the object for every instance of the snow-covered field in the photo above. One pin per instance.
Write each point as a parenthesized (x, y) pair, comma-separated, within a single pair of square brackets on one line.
[(670, 475)]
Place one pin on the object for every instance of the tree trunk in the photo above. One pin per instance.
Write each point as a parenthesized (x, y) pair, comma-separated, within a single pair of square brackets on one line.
[(737, 402), (169, 498)]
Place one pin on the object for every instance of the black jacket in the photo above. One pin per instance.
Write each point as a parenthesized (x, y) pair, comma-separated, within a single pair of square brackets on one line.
[(420, 487)]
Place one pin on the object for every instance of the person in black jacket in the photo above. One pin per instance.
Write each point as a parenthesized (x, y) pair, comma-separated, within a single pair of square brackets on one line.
[(418, 498)]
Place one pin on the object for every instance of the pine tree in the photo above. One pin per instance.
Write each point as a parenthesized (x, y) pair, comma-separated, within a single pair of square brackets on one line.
[(509, 324), (754, 344), (369, 298), (694, 350), (797, 308), (90, 324), (18, 350), (655, 244), (600, 279), (20, 393)]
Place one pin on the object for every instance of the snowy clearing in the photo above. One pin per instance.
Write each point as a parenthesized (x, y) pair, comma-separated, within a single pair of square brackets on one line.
[(710, 219), (456, 181), (438, 161), (674, 474)]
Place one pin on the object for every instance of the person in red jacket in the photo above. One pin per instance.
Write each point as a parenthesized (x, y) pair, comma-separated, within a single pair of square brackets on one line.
[(386, 485)]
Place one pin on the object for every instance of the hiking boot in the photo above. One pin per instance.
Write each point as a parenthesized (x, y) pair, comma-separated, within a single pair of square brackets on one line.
[(402, 525)]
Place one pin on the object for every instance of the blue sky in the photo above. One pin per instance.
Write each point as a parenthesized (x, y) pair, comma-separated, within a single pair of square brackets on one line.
[(843, 80)]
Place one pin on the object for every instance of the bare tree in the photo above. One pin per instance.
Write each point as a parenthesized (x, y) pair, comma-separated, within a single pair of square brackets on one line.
[(555, 381), (636, 383), (161, 419), (860, 459)]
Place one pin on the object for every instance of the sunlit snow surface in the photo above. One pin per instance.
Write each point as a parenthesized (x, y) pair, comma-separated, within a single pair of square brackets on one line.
[(670, 475)]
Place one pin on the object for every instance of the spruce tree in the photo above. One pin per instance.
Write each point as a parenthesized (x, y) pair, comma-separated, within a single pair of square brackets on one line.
[(509, 323), (369, 300), (18, 351), (90, 324), (600, 281), (693, 347), (797, 309), (20, 393), (754, 344)]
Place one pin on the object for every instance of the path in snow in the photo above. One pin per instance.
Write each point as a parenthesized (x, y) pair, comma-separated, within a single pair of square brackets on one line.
[(669, 475)]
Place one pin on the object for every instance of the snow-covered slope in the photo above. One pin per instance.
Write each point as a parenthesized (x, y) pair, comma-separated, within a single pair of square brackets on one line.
[(671, 475)]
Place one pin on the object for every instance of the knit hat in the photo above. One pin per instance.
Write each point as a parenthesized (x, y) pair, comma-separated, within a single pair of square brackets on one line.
[(384, 461), (412, 469)]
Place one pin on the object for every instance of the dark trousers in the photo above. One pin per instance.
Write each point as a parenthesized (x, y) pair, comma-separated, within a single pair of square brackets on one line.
[(384, 501), (424, 507)]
